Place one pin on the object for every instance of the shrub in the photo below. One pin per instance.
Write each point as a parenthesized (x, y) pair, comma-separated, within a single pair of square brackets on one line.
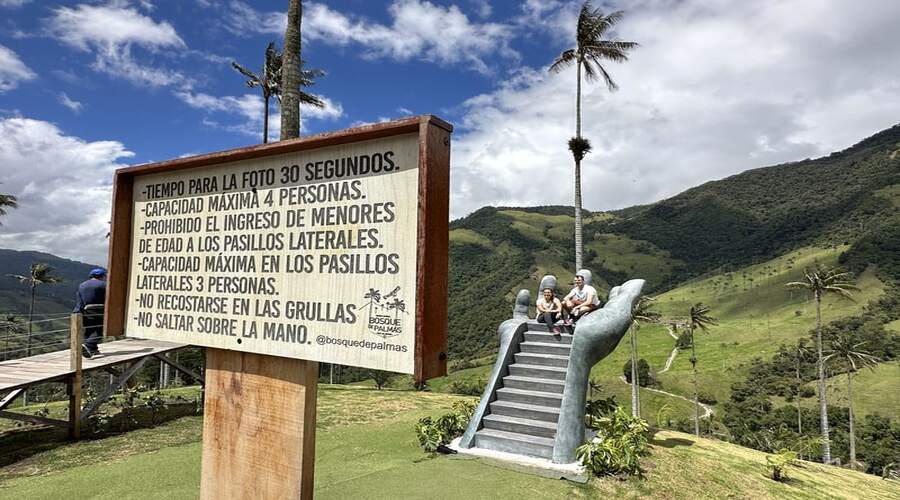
[(620, 443), (645, 378), (469, 386), (433, 433), (381, 378), (706, 398), (779, 462)]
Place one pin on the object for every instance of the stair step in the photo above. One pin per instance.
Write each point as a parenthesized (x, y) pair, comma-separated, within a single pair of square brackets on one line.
[(548, 338), (525, 410), (539, 428), (546, 348), (533, 384), (537, 371), (534, 326), (533, 358), (529, 396), (512, 442)]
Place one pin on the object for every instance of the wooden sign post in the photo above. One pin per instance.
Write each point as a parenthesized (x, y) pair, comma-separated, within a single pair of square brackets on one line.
[(328, 248)]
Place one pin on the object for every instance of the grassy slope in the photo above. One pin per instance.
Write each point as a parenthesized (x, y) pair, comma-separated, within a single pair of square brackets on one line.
[(756, 312), (874, 391), (373, 454)]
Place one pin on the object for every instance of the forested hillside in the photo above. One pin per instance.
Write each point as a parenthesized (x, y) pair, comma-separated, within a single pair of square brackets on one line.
[(847, 198)]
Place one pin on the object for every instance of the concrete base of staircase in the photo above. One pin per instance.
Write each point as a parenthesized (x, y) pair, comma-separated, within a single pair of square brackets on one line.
[(528, 465)]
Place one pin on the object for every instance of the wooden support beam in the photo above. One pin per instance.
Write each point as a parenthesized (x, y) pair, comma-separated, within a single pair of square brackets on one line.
[(33, 419), (13, 394), (75, 381), (113, 387), (180, 367), (259, 426)]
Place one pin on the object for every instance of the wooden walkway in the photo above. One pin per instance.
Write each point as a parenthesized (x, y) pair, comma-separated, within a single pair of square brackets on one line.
[(56, 366)]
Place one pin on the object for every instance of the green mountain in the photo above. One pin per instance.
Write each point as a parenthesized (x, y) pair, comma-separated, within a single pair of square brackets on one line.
[(846, 200), (57, 298)]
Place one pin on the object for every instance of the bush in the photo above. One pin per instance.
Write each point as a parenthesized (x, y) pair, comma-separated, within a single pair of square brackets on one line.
[(684, 340), (620, 443), (469, 386), (381, 378), (779, 462), (645, 378), (706, 398), (807, 392), (433, 433)]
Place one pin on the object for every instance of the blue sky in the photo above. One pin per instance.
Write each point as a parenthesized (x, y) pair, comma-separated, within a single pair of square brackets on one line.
[(716, 87)]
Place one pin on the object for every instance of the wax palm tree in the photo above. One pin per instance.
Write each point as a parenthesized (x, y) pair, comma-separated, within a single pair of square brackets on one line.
[(800, 355), (699, 318), (40, 274), (821, 281), (642, 313), (7, 201), (269, 81), (266, 81), (844, 348), (290, 78), (590, 51)]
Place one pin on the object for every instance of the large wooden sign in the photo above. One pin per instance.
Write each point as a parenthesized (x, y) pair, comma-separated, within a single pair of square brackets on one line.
[(328, 248)]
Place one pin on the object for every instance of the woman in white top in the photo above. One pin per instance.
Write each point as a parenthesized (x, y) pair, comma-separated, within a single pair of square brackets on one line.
[(548, 309)]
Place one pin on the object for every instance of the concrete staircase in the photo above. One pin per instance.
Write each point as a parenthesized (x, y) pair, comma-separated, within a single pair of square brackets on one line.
[(523, 417)]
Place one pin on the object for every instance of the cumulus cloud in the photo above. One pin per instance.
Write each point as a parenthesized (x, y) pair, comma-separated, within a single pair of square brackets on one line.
[(12, 70), (250, 107), (111, 32), (419, 30), (715, 88), (73, 105), (63, 185)]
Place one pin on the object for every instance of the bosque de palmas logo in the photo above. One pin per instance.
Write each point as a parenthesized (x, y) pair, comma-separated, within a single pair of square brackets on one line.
[(384, 311)]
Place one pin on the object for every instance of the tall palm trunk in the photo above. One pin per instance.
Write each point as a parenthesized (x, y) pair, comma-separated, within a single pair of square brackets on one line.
[(290, 76), (852, 429), (635, 377), (578, 221), (797, 398), (266, 122), (696, 389), (823, 406), (30, 322)]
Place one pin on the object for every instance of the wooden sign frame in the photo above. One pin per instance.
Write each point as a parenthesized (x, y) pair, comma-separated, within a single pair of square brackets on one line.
[(430, 358)]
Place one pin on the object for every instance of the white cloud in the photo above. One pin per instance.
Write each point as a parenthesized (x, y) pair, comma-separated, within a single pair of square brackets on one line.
[(418, 30), (63, 185), (66, 101), (110, 32), (13, 3), (12, 70), (714, 89), (251, 108)]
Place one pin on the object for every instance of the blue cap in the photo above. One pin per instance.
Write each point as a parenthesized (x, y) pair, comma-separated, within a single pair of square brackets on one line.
[(98, 272)]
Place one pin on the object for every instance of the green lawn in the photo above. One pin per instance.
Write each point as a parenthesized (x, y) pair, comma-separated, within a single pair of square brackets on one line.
[(365, 448)]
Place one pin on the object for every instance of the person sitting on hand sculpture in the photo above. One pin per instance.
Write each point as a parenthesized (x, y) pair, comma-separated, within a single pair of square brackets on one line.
[(580, 301), (548, 309)]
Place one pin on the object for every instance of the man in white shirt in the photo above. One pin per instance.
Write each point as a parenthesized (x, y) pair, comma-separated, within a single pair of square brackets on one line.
[(580, 301)]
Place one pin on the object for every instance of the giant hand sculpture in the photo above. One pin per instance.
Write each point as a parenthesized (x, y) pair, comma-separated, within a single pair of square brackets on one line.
[(596, 335)]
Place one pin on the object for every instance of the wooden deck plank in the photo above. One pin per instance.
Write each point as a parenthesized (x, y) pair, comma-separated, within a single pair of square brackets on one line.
[(46, 367)]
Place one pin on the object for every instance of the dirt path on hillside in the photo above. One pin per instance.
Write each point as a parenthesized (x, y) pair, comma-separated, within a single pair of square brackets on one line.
[(673, 353), (707, 410)]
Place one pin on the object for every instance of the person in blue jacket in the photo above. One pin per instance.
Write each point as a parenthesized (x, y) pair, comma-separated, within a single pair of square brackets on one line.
[(89, 300)]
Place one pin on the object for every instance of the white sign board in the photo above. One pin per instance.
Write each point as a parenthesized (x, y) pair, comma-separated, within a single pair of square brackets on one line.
[(310, 254)]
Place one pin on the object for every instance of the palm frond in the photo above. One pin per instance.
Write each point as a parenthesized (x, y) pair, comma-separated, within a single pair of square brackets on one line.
[(564, 60), (700, 318)]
